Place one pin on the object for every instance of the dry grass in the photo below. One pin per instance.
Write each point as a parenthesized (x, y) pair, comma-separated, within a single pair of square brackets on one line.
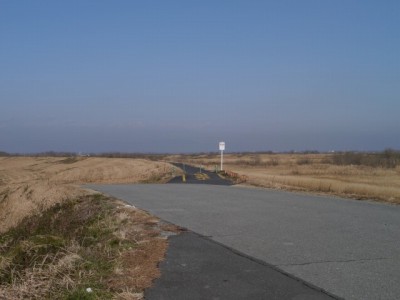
[(90, 242), (29, 185), (46, 257), (58, 264), (309, 172)]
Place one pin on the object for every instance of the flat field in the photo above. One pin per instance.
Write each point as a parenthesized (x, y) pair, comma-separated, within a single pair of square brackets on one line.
[(370, 177)]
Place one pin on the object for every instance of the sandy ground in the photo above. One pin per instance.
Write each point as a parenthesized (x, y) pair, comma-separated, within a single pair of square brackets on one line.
[(28, 185)]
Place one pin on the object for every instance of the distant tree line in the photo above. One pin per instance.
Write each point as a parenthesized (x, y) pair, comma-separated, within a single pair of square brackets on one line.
[(388, 158), (76, 154), (149, 156)]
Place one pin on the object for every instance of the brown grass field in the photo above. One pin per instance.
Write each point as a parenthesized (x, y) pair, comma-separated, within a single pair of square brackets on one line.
[(57, 239), (313, 173), (28, 184)]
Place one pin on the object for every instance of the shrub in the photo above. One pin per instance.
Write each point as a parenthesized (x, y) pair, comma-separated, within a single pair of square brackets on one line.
[(304, 161), (272, 162), (386, 159)]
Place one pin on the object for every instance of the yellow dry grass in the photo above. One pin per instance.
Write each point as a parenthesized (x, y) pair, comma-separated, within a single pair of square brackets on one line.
[(310, 173), (117, 255), (29, 185)]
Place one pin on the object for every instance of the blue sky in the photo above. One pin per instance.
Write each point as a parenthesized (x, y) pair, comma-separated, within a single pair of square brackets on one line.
[(179, 76)]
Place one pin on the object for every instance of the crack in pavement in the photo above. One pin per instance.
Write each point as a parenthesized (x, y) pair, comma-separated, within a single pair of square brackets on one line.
[(334, 261), (225, 235), (197, 267)]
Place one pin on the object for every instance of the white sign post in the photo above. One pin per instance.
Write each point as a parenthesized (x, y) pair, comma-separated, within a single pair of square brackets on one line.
[(222, 148)]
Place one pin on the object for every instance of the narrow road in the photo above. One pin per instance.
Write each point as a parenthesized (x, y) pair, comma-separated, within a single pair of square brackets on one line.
[(197, 175), (346, 247)]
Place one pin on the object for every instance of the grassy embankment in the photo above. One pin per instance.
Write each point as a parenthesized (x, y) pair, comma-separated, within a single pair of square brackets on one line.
[(91, 247), (58, 241)]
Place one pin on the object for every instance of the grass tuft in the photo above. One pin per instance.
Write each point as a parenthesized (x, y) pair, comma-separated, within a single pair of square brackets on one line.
[(79, 244), (70, 160)]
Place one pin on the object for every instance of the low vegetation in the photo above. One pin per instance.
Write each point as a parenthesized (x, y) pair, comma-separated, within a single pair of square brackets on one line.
[(148, 156), (386, 159), (92, 247), (59, 241), (2, 153), (30, 184), (357, 175)]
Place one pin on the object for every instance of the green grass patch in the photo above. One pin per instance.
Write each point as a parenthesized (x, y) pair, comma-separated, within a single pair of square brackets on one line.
[(71, 246)]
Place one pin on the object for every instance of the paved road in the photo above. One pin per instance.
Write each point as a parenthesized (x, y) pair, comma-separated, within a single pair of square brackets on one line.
[(346, 247), (198, 268), (197, 175)]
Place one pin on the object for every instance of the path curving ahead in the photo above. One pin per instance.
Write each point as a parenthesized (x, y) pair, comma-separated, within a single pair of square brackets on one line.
[(197, 175), (346, 247)]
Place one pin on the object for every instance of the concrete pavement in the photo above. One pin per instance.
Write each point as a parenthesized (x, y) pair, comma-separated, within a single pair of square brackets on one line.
[(346, 247)]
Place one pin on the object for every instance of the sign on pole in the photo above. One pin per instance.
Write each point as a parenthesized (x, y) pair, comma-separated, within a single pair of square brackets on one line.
[(222, 149)]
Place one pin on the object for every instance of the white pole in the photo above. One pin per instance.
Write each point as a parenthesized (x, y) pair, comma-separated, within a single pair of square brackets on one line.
[(222, 159), (222, 148)]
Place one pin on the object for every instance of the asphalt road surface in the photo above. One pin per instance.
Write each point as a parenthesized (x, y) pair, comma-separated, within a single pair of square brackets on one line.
[(198, 268), (197, 175), (348, 248)]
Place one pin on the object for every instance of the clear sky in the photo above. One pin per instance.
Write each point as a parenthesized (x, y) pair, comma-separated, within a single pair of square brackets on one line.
[(180, 76)]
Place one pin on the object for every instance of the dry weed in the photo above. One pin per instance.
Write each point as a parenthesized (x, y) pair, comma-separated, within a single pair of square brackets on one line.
[(33, 187), (30, 185), (313, 173), (93, 241)]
